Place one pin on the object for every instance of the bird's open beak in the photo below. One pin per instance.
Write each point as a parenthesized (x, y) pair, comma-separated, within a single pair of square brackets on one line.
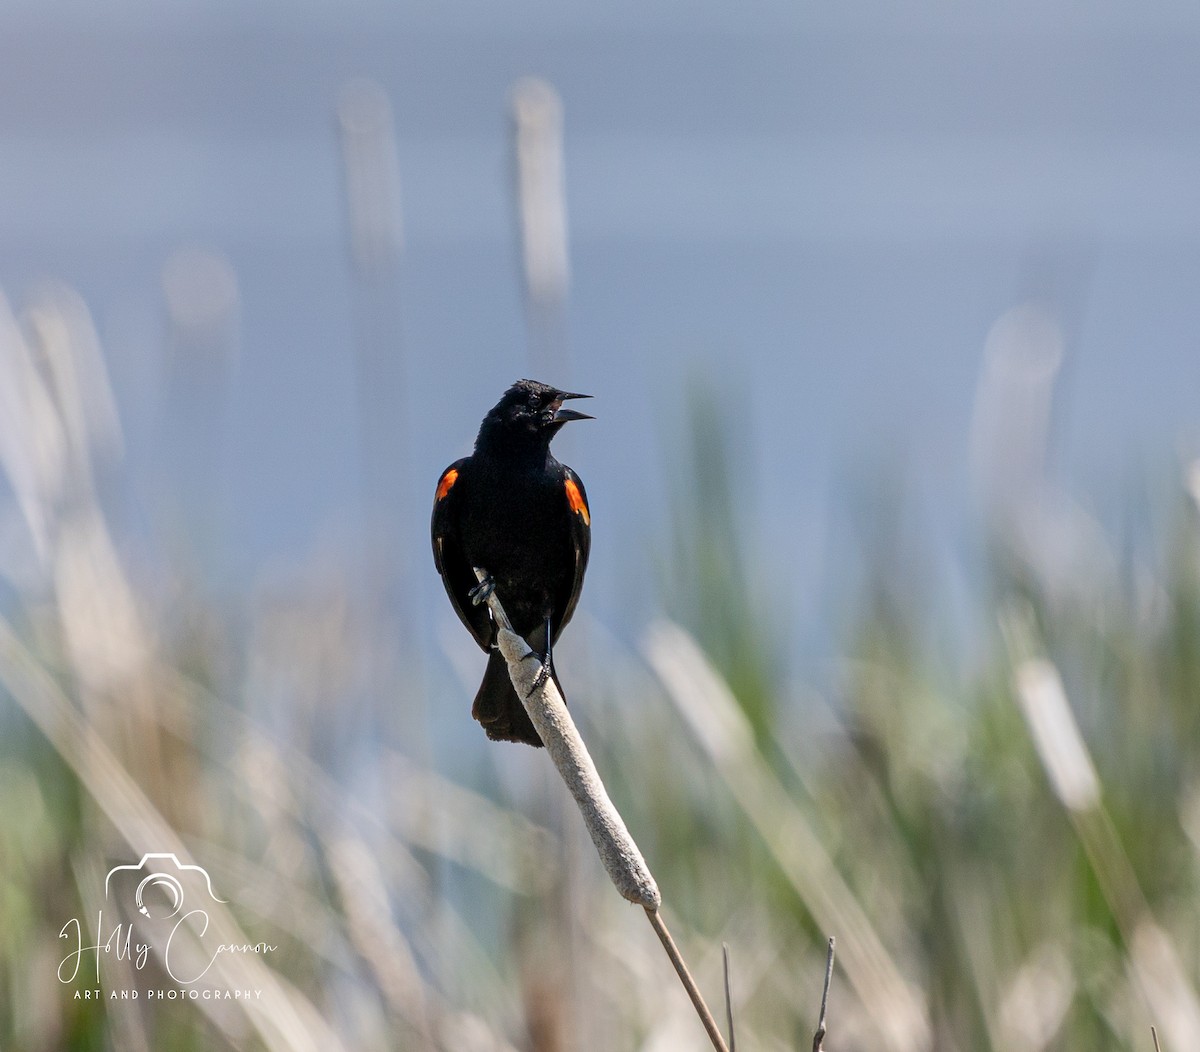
[(563, 415)]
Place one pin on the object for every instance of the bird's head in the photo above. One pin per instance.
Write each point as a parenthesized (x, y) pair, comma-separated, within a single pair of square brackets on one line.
[(529, 411)]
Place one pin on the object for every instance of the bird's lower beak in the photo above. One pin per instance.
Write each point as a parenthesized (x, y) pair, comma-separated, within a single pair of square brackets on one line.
[(563, 415)]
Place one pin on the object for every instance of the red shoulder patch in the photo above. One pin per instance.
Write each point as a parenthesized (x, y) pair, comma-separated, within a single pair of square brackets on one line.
[(446, 483), (578, 504)]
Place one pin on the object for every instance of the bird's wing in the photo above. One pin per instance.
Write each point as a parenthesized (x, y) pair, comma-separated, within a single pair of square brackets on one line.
[(457, 573), (581, 541)]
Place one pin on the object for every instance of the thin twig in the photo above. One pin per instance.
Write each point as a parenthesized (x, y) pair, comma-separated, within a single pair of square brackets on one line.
[(819, 1036), (689, 984), (626, 867), (728, 998), (1154, 1034)]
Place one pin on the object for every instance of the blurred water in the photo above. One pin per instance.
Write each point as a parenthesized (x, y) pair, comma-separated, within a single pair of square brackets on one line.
[(827, 210)]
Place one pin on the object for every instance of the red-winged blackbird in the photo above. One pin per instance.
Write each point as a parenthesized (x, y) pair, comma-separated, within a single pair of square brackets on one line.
[(514, 511)]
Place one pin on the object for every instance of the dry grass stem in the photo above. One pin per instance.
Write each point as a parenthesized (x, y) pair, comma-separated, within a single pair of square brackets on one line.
[(819, 1037), (685, 977), (728, 998)]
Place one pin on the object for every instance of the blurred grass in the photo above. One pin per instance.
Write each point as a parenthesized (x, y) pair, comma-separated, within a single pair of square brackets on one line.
[(916, 803)]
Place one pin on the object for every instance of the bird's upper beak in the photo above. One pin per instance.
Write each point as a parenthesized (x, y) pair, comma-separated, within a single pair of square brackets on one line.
[(563, 415)]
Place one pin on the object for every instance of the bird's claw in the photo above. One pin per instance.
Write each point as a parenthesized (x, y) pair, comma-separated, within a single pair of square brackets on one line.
[(546, 659), (539, 680), (482, 592)]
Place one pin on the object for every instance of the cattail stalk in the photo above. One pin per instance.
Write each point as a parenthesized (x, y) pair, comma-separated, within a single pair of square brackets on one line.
[(623, 861)]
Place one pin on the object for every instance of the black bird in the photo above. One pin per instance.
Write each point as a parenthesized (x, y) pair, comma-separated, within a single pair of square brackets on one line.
[(514, 511)]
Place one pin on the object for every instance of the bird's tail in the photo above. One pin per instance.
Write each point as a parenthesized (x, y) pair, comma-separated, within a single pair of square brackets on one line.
[(499, 709)]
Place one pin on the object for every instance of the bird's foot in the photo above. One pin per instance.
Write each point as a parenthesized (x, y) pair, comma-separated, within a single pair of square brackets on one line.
[(539, 681), (482, 592), (546, 659)]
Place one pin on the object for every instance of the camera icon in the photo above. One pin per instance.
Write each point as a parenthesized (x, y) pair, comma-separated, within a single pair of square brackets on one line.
[(160, 884)]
